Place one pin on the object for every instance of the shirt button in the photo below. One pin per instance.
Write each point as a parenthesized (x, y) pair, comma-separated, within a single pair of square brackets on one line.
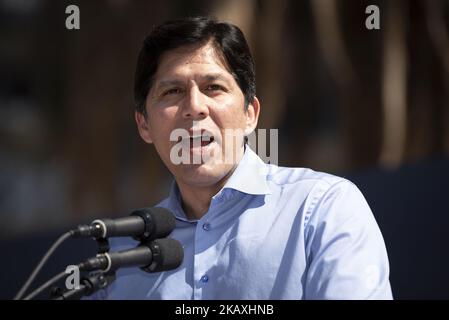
[(204, 278), (206, 226)]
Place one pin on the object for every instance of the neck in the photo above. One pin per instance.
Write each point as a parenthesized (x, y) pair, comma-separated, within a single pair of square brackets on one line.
[(196, 202), (196, 199)]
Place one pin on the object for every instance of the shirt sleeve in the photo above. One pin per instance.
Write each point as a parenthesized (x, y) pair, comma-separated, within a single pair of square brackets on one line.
[(346, 254)]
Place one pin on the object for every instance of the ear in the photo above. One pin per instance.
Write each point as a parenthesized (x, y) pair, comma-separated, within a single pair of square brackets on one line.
[(252, 116), (143, 127)]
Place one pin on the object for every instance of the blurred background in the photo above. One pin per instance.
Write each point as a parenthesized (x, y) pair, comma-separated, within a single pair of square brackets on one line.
[(370, 105)]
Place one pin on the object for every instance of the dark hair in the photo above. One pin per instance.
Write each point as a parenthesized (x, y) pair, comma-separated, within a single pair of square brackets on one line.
[(227, 38)]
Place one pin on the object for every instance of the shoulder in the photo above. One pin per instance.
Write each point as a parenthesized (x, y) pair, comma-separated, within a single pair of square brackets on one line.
[(326, 195), (318, 183)]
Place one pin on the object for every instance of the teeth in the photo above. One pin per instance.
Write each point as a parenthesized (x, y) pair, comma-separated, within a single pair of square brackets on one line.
[(205, 138)]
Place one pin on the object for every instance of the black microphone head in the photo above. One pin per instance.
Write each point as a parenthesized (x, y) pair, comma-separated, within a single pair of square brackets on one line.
[(159, 222), (167, 255)]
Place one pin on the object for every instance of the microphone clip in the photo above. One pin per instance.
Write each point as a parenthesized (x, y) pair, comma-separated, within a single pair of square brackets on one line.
[(149, 226)]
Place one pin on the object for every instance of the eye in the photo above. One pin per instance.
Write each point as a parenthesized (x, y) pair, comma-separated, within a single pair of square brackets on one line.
[(215, 87), (172, 91)]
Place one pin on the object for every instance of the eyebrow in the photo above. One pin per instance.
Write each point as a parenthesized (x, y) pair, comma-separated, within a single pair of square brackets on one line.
[(167, 83), (176, 82), (214, 77)]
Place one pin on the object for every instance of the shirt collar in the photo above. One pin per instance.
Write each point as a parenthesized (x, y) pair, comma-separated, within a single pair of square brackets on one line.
[(174, 202), (250, 176)]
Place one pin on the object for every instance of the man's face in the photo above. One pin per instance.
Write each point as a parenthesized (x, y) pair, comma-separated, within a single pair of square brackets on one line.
[(194, 91)]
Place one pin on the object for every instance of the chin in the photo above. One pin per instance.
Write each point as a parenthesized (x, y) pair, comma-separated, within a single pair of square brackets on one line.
[(203, 175)]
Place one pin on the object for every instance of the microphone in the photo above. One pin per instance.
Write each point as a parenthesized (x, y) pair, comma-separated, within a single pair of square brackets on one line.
[(143, 224), (158, 255)]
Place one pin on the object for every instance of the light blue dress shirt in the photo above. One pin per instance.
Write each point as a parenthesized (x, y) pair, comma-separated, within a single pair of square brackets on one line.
[(270, 233)]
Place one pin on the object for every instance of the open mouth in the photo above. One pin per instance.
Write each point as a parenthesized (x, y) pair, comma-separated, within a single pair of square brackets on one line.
[(201, 141), (197, 140)]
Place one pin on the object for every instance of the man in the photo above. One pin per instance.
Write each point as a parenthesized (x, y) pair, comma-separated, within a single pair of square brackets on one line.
[(249, 230)]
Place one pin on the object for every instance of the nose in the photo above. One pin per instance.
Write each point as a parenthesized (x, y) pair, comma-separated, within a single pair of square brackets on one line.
[(195, 107)]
